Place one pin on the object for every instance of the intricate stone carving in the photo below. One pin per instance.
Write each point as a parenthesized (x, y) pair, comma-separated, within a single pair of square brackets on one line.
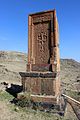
[(42, 42), (40, 18), (42, 76), (42, 38)]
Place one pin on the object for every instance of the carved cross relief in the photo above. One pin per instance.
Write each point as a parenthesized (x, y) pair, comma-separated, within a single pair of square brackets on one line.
[(41, 41), (42, 38)]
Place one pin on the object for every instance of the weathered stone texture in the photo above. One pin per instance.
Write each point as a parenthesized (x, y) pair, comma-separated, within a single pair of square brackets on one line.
[(43, 68)]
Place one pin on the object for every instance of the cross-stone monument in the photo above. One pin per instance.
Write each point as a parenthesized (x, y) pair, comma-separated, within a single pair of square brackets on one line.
[(41, 78)]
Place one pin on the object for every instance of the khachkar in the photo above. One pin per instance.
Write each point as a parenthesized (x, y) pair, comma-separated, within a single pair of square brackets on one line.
[(42, 76)]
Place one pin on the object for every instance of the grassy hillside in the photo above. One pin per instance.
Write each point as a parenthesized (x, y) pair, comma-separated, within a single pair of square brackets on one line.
[(11, 63)]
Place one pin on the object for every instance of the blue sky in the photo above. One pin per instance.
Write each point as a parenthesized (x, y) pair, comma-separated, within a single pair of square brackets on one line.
[(14, 24)]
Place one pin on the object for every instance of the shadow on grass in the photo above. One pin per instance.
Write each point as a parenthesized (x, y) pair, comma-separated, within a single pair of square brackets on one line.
[(24, 102), (14, 90)]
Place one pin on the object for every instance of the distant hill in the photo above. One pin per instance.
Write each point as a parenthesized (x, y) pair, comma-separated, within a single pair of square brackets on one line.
[(70, 74), (12, 56), (11, 63)]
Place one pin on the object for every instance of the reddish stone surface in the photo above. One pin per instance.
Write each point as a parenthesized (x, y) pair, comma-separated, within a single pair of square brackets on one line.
[(43, 68), (39, 67), (44, 86), (43, 43), (45, 99)]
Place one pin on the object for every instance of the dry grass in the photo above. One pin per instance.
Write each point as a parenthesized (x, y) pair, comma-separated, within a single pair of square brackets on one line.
[(10, 65), (10, 111)]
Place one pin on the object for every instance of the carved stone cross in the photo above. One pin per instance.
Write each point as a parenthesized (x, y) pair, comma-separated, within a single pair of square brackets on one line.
[(42, 37)]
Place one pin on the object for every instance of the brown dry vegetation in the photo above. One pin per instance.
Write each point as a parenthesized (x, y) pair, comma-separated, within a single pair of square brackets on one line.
[(11, 63)]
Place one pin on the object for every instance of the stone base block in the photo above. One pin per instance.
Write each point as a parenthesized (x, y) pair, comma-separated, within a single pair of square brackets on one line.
[(51, 104), (43, 86), (45, 99), (49, 99)]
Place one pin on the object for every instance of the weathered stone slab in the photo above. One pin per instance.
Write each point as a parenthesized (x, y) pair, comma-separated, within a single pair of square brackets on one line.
[(43, 67), (38, 74), (39, 67), (38, 85), (45, 99), (43, 44)]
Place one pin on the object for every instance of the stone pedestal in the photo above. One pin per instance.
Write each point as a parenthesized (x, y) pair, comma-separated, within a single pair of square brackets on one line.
[(42, 86)]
